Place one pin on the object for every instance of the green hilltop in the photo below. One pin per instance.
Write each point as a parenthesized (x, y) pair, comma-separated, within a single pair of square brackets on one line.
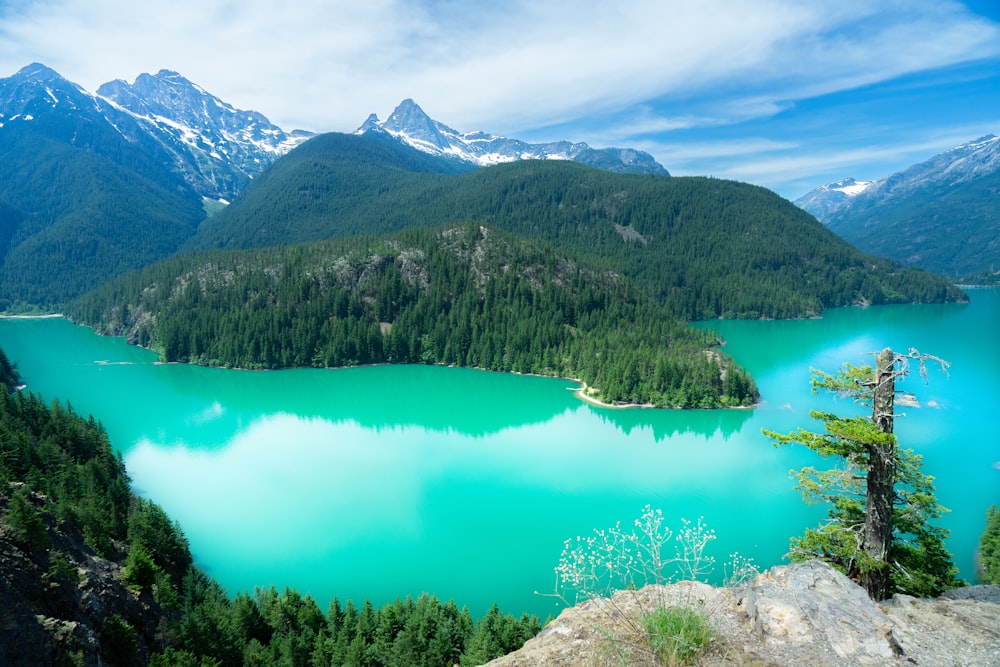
[(703, 247)]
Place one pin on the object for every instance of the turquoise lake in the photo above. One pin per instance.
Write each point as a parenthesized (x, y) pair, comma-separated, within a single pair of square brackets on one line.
[(388, 481)]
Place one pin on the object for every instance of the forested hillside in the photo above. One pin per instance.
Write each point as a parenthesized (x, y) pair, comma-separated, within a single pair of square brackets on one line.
[(71, 217), (93, 575), (468, 296), (950, 228), (703, 247)]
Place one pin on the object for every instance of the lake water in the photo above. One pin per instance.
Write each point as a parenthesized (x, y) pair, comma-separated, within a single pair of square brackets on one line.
[(389, 481)]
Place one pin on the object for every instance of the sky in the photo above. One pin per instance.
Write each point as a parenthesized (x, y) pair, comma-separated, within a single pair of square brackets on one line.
[(788, 94)]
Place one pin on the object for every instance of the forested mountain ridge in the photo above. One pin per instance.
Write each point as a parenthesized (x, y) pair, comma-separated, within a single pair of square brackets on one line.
[(940, 214), (704, 247), (79, 203), (467, 296)]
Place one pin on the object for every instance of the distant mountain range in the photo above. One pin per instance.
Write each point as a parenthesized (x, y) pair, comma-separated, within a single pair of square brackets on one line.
[(826, 199), (219, 148), (96, 185), (93, 185), (410, 125), (942, 214), (216, 148)]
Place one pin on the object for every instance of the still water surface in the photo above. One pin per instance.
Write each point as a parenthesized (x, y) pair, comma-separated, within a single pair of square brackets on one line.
[(389, 481)]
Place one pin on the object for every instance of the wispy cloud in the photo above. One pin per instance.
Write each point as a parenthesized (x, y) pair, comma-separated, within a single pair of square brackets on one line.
[(647, 67), (793, 171)]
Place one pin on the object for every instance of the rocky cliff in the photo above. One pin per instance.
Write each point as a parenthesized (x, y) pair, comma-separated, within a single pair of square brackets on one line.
[(62, 604), (801, 614)]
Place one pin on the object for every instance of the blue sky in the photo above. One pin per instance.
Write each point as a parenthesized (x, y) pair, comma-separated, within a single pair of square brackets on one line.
[(789, 94)]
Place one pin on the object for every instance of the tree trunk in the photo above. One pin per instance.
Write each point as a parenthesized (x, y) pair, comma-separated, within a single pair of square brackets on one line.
[(881, 481)]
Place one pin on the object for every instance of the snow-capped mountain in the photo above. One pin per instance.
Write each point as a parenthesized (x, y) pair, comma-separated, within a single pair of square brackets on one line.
[(942, 214), (217, 146), (410, 125), (86, 193), (961, 164), (826, 199), (35, 90)]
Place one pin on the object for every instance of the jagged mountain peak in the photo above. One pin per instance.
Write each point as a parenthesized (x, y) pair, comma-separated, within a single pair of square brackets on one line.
[(371, 123), (219, 147), (38, 72), (36, 92), (410, 125), (410, 122)]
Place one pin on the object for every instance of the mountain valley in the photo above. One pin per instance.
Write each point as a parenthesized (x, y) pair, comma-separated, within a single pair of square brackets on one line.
[(157, 213)]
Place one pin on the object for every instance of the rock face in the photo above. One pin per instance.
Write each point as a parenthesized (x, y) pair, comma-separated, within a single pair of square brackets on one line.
[(63, 604), (801, 614), (409, 125)]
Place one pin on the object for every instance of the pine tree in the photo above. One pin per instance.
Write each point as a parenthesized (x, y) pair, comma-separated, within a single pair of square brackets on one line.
[(881, 503)]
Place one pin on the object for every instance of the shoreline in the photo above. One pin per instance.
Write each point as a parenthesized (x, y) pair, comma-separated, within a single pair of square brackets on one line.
[(47, 316), (583, 393)]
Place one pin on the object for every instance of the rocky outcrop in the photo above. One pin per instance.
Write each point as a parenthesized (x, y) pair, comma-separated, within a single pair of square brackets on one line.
[(62, 604), (801, 614)]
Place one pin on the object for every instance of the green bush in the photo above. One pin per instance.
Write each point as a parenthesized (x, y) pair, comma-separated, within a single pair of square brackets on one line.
[(678, 634)]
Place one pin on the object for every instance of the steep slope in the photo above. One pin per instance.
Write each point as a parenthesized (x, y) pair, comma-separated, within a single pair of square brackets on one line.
[(410, 125), (704, 247), (80, 201), (332, 185), (942, 214), (217, 147)]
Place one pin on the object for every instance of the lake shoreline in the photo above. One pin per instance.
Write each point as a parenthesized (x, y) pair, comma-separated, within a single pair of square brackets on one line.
[(47, 316)]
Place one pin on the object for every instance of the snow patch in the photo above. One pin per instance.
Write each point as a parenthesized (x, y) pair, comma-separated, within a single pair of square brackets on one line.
[(854, 189)]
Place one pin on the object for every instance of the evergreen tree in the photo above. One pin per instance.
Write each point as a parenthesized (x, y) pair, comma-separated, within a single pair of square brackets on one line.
[(989, 548), (881, 503)]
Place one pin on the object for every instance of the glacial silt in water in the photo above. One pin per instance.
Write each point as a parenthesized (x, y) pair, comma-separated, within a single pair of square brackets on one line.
[(388, 481)]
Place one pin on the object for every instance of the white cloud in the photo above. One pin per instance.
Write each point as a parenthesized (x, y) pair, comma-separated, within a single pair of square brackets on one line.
[(793, 169), (640, 71), (326, 65)]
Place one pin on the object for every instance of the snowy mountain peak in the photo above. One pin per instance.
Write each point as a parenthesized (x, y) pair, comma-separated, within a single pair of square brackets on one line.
[(826, 199), (371, 123), (38, 72), (939, 214), (985, 141), (410, 125), (849, 186), (228, 145), (37, 92)]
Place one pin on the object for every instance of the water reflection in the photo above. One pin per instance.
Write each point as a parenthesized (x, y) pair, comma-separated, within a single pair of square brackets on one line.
[(318, 501), (389, 481), (469, 401)]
